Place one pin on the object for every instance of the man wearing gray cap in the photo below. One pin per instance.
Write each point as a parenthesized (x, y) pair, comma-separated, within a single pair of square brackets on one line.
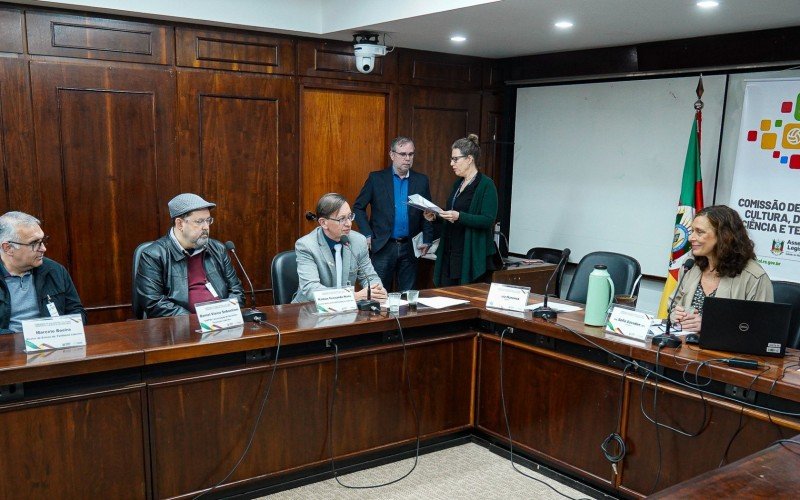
[(185, 267)]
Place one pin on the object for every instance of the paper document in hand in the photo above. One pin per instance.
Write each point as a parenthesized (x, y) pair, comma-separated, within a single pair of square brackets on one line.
[(417, 241), (421, 203)]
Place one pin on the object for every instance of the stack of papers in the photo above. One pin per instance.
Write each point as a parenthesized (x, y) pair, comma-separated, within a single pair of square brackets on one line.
[(440, 302), (422, 203)]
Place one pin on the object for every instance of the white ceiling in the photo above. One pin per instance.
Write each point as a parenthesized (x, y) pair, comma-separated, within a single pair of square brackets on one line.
[(493, 28)]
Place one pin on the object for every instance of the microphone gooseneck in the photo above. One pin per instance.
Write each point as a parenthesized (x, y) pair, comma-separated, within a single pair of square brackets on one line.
[(546, 312), (253, 314), (668, 339)]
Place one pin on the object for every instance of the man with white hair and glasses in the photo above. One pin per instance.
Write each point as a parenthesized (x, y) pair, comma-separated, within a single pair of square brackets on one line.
[(33, 286)]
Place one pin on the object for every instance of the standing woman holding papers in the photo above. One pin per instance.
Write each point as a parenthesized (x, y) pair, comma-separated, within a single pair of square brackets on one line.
[(466, 247), (725, 266)]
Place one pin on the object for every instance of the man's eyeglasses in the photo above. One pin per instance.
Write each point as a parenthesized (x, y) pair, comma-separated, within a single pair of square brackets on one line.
[(200, 222), (341, 220), (454, 159), (404, 155), (35, 245)]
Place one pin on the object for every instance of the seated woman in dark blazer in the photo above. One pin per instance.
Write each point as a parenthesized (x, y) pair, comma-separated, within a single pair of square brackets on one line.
[(466, 246), (725, 266)]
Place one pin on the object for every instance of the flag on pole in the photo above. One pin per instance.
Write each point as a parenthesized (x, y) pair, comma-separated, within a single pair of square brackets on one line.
[(691, 201)]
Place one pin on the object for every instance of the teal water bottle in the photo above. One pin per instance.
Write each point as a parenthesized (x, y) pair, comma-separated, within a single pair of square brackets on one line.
[(599, 296)]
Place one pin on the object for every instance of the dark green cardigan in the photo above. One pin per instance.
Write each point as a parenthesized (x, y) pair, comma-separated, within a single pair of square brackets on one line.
[(478, 242)]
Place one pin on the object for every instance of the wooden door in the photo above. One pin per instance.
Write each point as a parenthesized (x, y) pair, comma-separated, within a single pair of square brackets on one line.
[(237, 149), (343, 139), (435, 119), (106, 165)]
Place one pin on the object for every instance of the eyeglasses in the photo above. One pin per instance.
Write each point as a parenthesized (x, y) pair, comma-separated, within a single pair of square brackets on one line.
[(454, 159), (341, 220), (200, 222), (404, 155), (35, 245)]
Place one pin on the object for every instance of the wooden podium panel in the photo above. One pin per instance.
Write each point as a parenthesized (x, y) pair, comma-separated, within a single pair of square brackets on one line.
[(207, 418), (83, 446)]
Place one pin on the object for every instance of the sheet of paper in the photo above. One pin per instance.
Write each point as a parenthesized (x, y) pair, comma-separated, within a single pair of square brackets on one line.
[(422, 203), (556, 306), (440, 302), (416, 241)]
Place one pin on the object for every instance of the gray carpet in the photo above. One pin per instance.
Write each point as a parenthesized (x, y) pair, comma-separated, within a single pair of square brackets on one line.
[(462, 472)]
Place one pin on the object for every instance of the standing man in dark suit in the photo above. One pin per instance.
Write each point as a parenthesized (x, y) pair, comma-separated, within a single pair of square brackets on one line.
[(393, 223)]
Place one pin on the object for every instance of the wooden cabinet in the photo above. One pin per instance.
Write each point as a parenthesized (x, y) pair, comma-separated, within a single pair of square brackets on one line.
[(234, 51)]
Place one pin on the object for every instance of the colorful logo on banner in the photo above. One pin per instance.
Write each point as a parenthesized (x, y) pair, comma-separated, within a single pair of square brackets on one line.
[(789, 134)]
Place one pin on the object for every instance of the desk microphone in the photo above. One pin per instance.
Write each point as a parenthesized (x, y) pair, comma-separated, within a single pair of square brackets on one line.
[(364, 304), (667, 339), (545, 312), (252, 314)]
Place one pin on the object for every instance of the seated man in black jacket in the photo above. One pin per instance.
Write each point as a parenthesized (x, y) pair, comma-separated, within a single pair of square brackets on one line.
[(185, 267), (33, 286)]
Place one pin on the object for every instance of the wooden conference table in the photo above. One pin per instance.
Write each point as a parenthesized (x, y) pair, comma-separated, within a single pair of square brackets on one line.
[(152, 409)]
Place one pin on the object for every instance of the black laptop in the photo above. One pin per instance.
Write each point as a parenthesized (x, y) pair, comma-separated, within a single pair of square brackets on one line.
[(745, 326)]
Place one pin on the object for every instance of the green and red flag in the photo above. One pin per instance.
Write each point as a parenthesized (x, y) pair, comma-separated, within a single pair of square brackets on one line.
[(691, 201)]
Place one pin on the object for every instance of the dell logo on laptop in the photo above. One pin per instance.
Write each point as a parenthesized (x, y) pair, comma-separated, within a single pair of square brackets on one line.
[(743, 327)]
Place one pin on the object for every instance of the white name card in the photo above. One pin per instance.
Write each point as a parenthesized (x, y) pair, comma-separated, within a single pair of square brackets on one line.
[(53, 333), (219, 314), (510, 297), (335, 300), (633, 324)]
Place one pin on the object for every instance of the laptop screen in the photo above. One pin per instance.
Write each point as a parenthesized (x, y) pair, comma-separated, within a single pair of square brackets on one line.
[(745, 326)]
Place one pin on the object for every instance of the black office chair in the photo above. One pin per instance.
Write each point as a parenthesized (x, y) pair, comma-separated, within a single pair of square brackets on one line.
[(787, 292), (552, 256), (624, 271), (138, 308), (284, 277)]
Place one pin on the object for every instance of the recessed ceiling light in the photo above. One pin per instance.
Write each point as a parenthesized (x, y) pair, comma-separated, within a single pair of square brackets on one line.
[(707, 4), (458, 38), (564, 24)]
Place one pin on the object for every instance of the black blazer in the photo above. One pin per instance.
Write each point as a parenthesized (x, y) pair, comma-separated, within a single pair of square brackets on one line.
[(378, 191)]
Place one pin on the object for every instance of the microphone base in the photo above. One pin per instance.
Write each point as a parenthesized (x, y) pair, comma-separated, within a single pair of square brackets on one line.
[(253, 316), (667, 341), (545, 312), (368, 305)]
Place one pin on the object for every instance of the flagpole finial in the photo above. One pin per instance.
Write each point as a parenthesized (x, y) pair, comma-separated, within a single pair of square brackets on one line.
[(698, 104)]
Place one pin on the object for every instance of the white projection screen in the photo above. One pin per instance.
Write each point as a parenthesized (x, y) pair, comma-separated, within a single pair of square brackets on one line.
[(598, 166)]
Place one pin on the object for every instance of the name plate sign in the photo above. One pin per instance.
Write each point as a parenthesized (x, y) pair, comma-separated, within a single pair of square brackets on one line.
[(335, 300), (53, 333), (218, 314), (633, 324), (510, 297)]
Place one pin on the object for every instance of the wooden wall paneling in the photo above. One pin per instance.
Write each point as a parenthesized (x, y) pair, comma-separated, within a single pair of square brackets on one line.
[(57, 445), (681, 457), (334, 59), (19, 175), (105, 147), (491, 133), (210, 417), (68, 35), (257, 53), (435, 119), (238, 144), (11, 27), (558, 409), (344, 134), (434, 69)]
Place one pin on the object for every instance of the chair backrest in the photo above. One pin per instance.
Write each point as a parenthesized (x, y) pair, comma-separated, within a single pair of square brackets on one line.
[(624, 271), (553, 256), (284, 277), (138, 308), (787, 292)]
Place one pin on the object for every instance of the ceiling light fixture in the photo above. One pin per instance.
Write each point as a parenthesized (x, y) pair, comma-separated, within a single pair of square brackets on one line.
[(707, 4), (458, 38), (564, 25)]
